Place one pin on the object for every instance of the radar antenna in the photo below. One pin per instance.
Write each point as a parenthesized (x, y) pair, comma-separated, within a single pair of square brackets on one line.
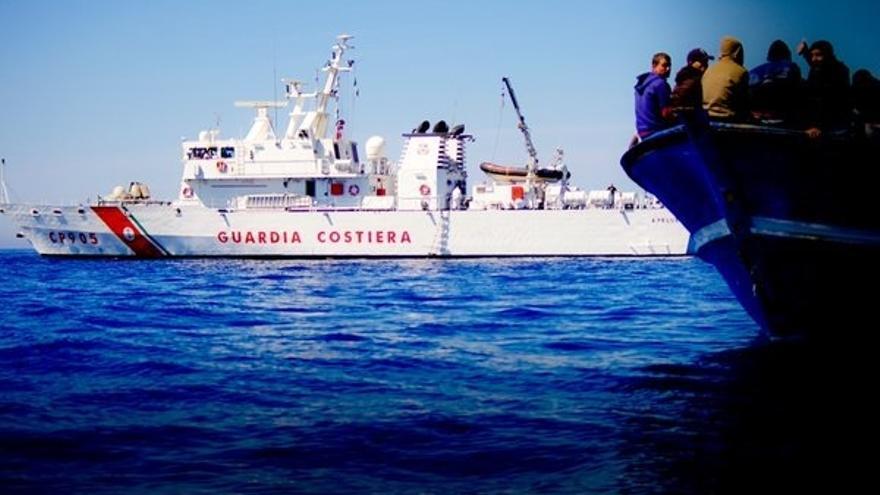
[(261, 104)]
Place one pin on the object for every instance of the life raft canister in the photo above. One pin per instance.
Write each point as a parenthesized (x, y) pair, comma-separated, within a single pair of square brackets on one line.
[(222, 167), (425, 190), (354, 190)]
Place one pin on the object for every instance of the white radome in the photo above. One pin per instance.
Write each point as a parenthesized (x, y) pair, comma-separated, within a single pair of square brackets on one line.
[(375, 147)]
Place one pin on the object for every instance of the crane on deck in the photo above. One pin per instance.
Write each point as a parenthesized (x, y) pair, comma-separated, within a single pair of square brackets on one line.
[(532, 164)]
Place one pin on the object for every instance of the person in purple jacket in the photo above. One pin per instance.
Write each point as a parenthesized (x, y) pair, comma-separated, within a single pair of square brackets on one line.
[(652, 94)]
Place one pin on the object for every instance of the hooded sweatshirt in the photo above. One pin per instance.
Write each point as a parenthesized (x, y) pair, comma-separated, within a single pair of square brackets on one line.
[(726, 83), (828, 90), (652, 96), (775, 87)]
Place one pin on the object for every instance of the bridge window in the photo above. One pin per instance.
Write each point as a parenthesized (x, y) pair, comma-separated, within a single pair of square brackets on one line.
[(197, 153), (227, 152)]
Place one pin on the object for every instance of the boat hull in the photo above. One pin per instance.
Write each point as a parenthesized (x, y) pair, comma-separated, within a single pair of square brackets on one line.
[(787, 220), (161, 230)]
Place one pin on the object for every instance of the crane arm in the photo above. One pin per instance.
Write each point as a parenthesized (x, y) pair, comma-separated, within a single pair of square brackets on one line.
[(530, 147)]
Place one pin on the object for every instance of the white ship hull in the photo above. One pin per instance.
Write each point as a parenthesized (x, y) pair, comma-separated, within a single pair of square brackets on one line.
[(167, 230)]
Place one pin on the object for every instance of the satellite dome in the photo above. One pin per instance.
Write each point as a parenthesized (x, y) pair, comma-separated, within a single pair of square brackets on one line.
[(375, 147)]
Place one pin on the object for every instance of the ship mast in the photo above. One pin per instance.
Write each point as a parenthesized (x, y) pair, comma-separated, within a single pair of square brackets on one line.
[(333, 68), (4, 193), (533, 155)]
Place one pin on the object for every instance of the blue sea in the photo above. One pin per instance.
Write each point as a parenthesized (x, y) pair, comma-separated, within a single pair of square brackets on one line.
[(414, 376)]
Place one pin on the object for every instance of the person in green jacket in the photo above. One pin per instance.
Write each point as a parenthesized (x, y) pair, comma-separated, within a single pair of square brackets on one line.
[(726, 83)]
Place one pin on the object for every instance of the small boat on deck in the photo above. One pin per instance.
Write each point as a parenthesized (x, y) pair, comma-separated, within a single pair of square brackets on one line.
[(789, 221), (502, 173)]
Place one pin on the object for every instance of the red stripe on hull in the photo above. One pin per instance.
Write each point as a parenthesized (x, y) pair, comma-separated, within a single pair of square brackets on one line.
[(127, 231)]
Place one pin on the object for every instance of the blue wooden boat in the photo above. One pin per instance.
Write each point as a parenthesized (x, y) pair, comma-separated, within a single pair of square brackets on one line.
[(790, 222)]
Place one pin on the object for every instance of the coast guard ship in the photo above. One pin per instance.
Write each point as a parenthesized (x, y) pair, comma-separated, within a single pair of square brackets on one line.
[(311, 192)]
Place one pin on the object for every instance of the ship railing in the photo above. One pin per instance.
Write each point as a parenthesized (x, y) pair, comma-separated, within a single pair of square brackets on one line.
[(122, 202), (277, 201), (348, 167)]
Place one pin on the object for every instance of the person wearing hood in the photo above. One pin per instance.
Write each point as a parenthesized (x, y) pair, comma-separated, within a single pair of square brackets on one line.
[(829, 104), (726, 83), (866, 102), (775, 86), (688, 91), (652, 97)]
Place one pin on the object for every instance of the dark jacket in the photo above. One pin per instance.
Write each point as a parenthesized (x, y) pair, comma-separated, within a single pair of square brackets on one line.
[(652, 97), (866, 97), (688, 91), (828, 95), (775, 90), (829, 102)]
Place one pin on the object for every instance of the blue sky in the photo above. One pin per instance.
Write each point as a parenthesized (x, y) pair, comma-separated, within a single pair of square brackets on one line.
[(95, 94)]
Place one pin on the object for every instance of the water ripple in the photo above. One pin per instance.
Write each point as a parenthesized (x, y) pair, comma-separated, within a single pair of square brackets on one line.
[(412, 376)]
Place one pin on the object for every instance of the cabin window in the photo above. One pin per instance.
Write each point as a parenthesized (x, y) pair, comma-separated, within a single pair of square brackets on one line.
[(227, 152), (354, 152), (336, 150), (208, 153), (199, 153), (310, 187)]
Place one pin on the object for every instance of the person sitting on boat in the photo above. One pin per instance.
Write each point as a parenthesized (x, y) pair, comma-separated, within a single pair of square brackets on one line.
[(866, 102), (775, 86), (688, 91), (827, 88), (652, 94), (726, 83)]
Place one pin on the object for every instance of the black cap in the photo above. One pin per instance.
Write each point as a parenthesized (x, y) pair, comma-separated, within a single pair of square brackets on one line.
[(699, 55)]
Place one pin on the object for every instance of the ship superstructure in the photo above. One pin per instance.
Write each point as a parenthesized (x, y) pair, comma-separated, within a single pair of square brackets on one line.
[(310, 191)]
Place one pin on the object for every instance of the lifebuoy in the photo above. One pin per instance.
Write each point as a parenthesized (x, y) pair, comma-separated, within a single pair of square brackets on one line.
[(221, 167), (187, 192), (354, 189), (425, 190)]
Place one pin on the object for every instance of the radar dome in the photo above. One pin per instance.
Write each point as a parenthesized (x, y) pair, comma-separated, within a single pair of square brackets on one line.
[(118, 192), (375, 148), (135, 190)]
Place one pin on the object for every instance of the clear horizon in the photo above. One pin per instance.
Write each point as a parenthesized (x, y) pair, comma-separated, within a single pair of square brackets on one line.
[(97, 94)]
